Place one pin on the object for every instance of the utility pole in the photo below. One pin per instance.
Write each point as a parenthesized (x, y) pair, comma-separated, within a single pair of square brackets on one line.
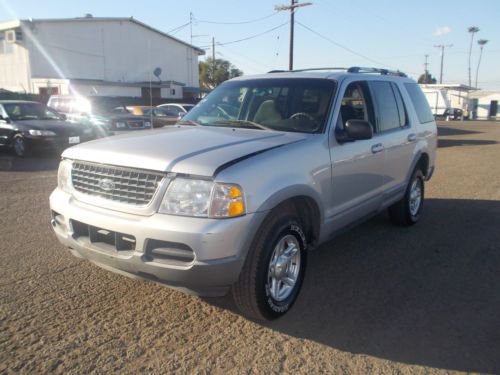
[(442, 47), (213, 60), (293, 5), (426, 70), (191, 27)]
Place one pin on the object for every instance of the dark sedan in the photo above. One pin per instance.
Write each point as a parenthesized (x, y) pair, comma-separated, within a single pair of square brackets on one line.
[(30, 126)]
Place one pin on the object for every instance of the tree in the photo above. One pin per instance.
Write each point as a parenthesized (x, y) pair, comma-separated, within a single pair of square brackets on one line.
[(472, 30), (481, 43), (426, 78), (213, 74)]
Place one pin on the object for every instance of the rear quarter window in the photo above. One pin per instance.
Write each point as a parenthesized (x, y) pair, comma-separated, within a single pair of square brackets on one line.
[(419, 102)]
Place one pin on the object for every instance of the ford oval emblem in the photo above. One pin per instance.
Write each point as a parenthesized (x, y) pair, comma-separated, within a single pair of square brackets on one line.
[(106, 184)]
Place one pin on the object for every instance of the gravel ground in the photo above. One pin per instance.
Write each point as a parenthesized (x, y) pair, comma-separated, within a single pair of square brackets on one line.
[(378, 299)]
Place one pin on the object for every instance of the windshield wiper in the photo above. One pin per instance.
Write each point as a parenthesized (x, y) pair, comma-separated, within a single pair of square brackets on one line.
[(189, 122), (242, 123)]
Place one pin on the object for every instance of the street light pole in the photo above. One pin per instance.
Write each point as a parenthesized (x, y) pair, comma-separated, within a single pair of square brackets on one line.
[(293, 5), (442, 47)]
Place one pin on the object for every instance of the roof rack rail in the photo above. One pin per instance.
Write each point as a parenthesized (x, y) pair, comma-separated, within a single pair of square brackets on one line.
[(352, 69), (305, 70), (384, 72)]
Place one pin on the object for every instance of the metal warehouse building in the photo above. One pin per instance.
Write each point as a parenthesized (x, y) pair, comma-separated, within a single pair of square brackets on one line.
[(95, 56)]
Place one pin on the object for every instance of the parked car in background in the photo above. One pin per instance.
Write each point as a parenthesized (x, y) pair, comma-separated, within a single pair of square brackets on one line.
[(98, 112), (30, 126), (162, 117), (137, 110), (179, 109)]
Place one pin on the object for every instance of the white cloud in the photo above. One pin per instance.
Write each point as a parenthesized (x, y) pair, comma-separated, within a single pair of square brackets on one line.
[(441, 30)]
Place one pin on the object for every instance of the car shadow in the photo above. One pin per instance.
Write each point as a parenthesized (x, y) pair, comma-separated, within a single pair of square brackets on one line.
[(45, 162), (449, 131), (464, 142), (426, 295)]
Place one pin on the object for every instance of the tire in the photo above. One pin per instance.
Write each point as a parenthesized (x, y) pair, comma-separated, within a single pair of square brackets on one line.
[(255, 293), (20, 147), (407, 211)]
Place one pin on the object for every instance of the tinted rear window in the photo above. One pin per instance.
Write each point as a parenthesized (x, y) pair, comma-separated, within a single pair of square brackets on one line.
[(419, 102)]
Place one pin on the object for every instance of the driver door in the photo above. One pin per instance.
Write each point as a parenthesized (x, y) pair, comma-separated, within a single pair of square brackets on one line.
[(357, 166), (6, 128)]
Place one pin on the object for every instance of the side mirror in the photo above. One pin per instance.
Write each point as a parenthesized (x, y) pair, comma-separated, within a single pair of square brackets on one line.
[(4, 119), (355, 130), (63, 116)]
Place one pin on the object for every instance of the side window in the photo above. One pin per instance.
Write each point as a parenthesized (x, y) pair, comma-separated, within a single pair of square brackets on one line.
[(403, 116), (173, 110), (386, 106), (355, 104), (420, 103)]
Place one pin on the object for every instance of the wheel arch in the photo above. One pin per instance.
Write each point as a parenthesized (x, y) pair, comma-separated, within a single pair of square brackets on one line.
[(305, 202)]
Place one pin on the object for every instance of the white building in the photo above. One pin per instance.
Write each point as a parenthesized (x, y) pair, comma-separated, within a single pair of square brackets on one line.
[(95, 56), (485, 104), (446, 96)]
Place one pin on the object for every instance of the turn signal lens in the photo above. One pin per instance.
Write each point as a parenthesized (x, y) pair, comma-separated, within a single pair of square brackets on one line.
[(227, 201)]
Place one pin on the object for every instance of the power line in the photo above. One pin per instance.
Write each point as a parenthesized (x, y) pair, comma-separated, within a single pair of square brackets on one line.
[(344, 47), (178, 28), (237, 23), (250, 37)]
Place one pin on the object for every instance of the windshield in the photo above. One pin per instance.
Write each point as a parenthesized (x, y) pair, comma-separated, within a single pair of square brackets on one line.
[(30, 111), (295, 105)]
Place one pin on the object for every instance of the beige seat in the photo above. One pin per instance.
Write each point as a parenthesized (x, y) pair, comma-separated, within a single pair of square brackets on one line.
[(267, 112)]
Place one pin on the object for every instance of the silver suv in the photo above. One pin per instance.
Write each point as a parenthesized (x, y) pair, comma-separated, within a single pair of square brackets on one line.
[(260, 172)]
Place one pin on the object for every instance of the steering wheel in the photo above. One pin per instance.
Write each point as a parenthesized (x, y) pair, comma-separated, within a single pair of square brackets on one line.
[(302, 115), (223, 112)]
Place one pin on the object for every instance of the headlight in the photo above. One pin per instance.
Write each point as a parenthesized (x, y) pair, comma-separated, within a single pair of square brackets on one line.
[(41, 133), (120, 125), (202, 198), (64, 176), (147, 124)]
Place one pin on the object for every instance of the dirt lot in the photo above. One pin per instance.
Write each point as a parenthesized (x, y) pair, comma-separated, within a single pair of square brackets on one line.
[(378, 299)]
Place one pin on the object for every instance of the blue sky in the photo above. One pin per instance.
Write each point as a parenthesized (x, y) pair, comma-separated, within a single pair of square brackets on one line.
[(385, 33)]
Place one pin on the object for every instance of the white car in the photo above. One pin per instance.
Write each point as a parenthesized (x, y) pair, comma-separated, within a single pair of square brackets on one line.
[(177, 109)]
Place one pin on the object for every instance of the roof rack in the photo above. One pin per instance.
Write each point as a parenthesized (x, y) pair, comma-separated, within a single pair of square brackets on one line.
[(305, 70), (384, 72), (352, 69)]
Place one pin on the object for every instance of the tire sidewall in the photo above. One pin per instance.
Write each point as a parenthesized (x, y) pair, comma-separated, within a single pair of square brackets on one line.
[(271, 307), (16, 139), (416, 175)]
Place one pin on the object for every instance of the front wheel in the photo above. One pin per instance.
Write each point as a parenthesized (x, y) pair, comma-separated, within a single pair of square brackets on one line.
[(20, 147), (273, 272), (407, 210)]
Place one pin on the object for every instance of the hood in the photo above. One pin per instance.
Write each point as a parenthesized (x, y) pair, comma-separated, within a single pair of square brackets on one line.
[(181, 149), (61, 128)]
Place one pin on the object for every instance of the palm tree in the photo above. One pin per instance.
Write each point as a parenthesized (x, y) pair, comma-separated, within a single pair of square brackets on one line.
[(481, 43), (472, 30)]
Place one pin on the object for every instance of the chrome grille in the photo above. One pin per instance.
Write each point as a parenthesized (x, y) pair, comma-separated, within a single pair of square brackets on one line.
[(124, 185), (135, 124)]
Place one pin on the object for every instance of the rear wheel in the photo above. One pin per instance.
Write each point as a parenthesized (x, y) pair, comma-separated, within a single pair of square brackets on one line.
[(274, 269), (407, 210), (20, 147)]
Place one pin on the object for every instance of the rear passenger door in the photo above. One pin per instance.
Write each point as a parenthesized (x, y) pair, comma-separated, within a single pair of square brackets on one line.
[(395, 133)]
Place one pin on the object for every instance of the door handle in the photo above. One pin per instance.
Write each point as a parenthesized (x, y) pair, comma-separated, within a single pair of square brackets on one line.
[(377, 148), (412, 137)]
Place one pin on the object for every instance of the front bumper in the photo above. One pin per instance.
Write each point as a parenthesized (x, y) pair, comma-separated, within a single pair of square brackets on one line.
[(218, 247)]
